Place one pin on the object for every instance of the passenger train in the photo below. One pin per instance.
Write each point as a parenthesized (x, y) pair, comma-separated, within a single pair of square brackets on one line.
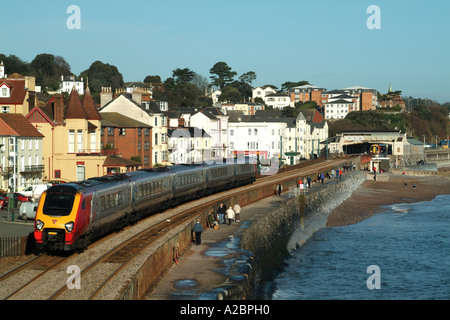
[(72, 215)]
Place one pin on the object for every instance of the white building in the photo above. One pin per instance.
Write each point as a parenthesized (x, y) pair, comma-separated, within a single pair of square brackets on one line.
[(2, 70), (68, 82), (21, 162), (262, 92), (338, 109), (293, 138), (188, 145), (278, 100), (215, 124)]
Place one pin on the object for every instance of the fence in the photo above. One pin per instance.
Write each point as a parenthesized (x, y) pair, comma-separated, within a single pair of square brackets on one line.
[(12, 246)]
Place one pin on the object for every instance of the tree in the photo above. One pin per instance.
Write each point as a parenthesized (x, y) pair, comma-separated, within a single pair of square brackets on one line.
[(230, 94), (288, 85), (48, 69), (248, 77), (200, 82), (152, 79), (103, 75), (221, 74), (182, 76), (14, 64)]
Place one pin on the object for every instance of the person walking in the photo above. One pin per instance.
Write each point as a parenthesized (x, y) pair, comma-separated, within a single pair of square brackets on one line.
[(237, 212), (309, 182), (279, 188), (221, 213), (198, 230), (230, 215)]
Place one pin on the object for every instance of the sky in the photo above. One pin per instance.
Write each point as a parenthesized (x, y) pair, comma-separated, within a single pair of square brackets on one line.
[(326, 42)]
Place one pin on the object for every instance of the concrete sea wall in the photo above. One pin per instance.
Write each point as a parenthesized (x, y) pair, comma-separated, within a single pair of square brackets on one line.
[(282, 230)]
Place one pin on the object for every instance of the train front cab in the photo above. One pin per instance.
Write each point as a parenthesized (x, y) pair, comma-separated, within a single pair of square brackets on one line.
[(57, 226)]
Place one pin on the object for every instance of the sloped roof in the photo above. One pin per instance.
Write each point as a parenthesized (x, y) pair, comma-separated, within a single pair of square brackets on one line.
[(75, 109), (17, 124), (113, 161), (18, 91), (115, 119), (89, 106)]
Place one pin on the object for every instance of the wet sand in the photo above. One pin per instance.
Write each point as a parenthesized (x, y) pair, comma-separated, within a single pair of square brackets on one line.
[(368, 198)]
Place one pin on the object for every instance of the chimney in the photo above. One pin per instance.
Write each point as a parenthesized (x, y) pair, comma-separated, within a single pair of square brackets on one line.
[(136, 96), (105, 96), (58, 109), (31, 100), (181, 122)]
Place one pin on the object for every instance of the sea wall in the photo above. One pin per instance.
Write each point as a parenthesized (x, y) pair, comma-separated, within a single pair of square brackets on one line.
[(281, 230)]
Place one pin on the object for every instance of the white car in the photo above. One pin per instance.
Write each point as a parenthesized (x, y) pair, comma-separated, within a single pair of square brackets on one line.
[(35, 191), (28, 210)]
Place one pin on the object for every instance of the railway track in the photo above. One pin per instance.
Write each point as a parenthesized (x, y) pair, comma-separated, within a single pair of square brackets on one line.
[(46, 277)]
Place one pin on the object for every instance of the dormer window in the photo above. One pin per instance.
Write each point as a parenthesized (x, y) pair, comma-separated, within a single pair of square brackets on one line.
[(5, 91)]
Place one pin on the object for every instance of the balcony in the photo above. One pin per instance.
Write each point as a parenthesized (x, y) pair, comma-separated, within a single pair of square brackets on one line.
[(32, 169), (98, 152)]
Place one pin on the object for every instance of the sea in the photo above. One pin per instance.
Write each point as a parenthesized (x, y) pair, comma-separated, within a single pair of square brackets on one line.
[(402, 253)]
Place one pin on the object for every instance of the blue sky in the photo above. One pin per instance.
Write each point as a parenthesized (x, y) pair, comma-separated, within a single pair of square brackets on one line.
[(324, 42)]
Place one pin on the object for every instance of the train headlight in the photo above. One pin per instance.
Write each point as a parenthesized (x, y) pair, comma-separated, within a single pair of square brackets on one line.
[(39, 225), (69, 226)]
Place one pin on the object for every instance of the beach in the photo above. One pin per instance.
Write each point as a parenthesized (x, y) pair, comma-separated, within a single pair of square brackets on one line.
[(371, 195)]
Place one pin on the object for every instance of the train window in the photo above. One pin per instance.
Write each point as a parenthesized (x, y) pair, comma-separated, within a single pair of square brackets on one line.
[(59, 201), (140, 191), (83, 204), (111, 201), (102, 203), (120, 197)]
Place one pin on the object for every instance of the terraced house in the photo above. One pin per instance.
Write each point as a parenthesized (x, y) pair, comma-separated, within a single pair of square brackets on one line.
[(71, 127), (21, 162)]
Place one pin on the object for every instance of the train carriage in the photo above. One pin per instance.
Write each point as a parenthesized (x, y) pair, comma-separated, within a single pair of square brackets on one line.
[(189, 182), (151, 190), (245, 173), (219, 177)]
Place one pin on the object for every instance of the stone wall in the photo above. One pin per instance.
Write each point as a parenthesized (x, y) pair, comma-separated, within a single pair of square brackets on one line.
[(281, 230)]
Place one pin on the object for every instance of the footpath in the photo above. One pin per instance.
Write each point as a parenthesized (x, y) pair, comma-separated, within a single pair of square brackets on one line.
[(208, 270)]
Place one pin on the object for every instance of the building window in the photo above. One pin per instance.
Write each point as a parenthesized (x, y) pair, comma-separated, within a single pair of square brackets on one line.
[(121, 131), (80, 140), (71, 141)]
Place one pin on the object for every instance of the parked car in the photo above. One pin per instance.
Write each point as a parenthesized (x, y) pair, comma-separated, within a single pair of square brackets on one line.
[(18, 198), (3, 202), (28, 210)]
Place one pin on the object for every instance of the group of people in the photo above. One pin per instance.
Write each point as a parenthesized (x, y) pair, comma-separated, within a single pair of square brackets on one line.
[(223, 216), (230, 214)]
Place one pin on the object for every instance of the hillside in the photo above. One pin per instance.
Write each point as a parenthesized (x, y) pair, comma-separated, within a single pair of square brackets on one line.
[(429, 121)]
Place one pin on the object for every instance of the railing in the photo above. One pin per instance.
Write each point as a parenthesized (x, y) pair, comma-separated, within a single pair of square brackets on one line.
[(34, 168), (12, 246), (98, 152)]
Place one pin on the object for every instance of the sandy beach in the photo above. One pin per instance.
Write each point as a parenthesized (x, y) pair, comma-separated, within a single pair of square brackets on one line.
[(368, 198)]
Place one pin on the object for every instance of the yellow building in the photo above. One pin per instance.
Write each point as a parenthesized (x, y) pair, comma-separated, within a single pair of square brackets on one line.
[(72, 147), (17, 94)]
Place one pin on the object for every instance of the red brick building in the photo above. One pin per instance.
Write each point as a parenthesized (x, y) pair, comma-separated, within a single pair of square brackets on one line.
[(130, 138)]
